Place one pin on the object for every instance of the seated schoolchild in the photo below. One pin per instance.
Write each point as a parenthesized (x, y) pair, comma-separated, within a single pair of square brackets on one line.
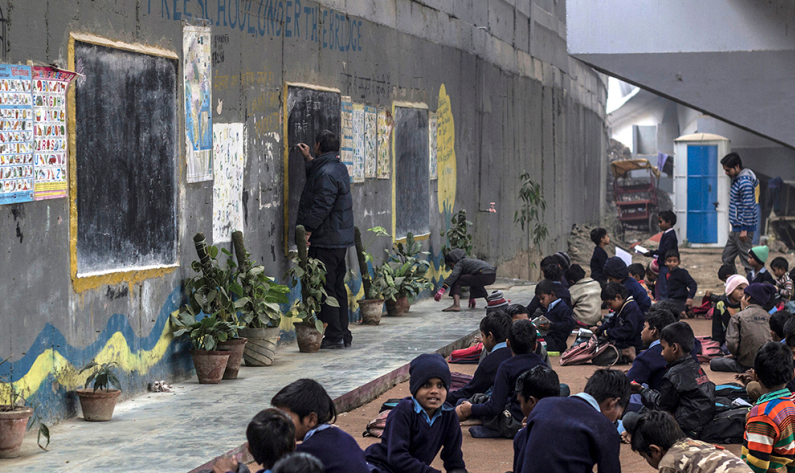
[(521, 341), (777, 323), (624, 327), (466, 272), (658, 439), (748, 330), (532, 386), (757, 256), (517, 312), (551, 272), (726, 306), (421, 425), (557, 313), (572, 434), (298, 463), (638, 271), (685, 391), (270, 435), (496, 301), (616, 271), (780, 266), (494, 330), (724, 272), (652, 275), (601, 239), (585, 296), (313, 413), (649, 366), (770, 425), (681, 286)]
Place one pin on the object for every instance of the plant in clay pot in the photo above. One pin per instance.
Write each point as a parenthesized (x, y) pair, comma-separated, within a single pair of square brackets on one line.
[(98, 403), (205, 335), (259, 313), (404, 275), (372, 305), (15, 412), (458, 235)]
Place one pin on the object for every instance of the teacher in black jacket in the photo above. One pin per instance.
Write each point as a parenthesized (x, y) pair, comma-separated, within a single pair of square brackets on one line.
[(326, 212)]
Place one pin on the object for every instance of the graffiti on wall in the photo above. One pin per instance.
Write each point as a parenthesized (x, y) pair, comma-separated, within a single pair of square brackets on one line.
[(229, 164), (445, 153)]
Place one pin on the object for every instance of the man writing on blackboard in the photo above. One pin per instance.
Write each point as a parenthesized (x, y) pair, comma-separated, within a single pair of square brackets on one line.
[(326, 212)]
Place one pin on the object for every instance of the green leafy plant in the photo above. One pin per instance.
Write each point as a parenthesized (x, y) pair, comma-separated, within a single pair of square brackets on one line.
[(404, 274), (311, 273), (458, 235), (214, 290), (205, 333), (532, 208), (259, 306), (372, 285), (12, 399), (103, 377)]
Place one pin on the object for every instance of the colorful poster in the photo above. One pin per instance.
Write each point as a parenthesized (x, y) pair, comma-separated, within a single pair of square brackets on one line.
[(385, 126), (432, 127), (49, 132), (346, 145), (229, 164), (16, 134), (197, 77), (358, 143), (370, 146)]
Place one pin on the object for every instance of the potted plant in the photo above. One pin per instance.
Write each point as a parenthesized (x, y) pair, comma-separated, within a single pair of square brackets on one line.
[(404, 276), (98, 403), (14, 417), (458, 235), (214, 290), (205, 335), (260, 313), (372, 305), (311, 273)]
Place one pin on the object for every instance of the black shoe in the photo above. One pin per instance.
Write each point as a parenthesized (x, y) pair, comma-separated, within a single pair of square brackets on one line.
[(347, 344), (327, 345)]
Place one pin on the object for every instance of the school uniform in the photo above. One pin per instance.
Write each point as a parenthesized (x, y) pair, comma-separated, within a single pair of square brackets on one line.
[(668, 241), (638, 293), (412, 439), (623, 328), (562, 323), (335, 448), (505, 385), (518, 449), (483, 379), (570, 435), (762, 276), (561, 290), (681, 286), (598, 260), (649, 366)]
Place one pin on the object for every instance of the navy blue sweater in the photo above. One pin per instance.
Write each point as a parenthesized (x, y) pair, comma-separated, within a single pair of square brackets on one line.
[(598, 261), (681, 286), (561, 290), (638, 293), (623, 328), (567, 435), (409, 444), (518, 449), (338, 451), (484, 376), (763, 277), (668, 241), (504, 386), (649, 366), (560, 328)]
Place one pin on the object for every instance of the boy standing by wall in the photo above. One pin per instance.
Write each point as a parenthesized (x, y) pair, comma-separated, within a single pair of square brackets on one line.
[(668, 242), (601, 239)]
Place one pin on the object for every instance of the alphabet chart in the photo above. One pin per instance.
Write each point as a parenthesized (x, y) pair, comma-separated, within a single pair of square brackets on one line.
[(16, 134)]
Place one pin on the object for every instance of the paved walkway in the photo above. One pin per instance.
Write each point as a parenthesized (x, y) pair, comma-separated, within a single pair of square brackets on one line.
[(181, 431)]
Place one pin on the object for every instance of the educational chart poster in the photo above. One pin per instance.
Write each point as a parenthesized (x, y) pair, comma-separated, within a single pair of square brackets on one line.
[(370, 146), (197, 77), (346, 145), (433, 122), (16, 134), (49, 131), (229, 163), (358, 143), (385, 126)]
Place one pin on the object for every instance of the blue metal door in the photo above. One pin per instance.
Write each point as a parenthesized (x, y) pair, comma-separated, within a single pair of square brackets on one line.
[(702, 194)]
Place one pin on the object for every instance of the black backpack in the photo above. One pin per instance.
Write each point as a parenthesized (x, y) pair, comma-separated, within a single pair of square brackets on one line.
[(727, 427)]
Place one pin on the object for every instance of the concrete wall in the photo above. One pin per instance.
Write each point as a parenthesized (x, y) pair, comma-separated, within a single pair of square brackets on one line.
[(518, 102)]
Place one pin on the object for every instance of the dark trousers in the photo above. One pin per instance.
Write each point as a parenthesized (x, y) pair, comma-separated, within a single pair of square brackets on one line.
[(477, 284), (336, 318)]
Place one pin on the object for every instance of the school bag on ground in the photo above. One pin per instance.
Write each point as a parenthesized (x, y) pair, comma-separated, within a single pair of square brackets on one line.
[(467, 356), (709, 349), (727, 427), (601, 353), (375, 428)]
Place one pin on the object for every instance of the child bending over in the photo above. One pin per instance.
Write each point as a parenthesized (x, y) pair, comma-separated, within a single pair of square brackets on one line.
[(466, 272), (624, 327), (313, 413), (557, 313), (270, 435), (420, 425), (601, 239), (658, 439), (770, 425), (532, 386), (685, 391), (780, 266), (681, 286), (616, 271), (572, 434)]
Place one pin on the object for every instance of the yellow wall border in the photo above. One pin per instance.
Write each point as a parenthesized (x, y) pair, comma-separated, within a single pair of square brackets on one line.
[(80, 284), (395, 239), (285, 134)]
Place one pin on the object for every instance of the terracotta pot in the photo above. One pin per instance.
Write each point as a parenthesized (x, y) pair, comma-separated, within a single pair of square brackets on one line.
[(371, 311), (210, 365), (261, 347), (12, 430), (397, 307), (98, 405), (235, 348), (308, 338)]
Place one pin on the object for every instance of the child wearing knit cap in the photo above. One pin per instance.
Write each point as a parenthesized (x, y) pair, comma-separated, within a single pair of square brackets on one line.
[(421, 425), (616, 271), (757, 256), (726, 306)]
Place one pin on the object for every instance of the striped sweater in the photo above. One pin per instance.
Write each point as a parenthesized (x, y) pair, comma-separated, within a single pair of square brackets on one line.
[(769, 440), (742, 202)]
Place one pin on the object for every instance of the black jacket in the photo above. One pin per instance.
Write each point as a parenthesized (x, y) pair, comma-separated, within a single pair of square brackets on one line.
[(686, 392), (326, 206), (464, 265), (624, 327), (598, 261), (562, 323), (668, 241), (681, 286)]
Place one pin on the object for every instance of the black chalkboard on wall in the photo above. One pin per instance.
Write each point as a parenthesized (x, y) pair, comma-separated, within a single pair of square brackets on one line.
[(125, 155), (412, 172), (309, 112)]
